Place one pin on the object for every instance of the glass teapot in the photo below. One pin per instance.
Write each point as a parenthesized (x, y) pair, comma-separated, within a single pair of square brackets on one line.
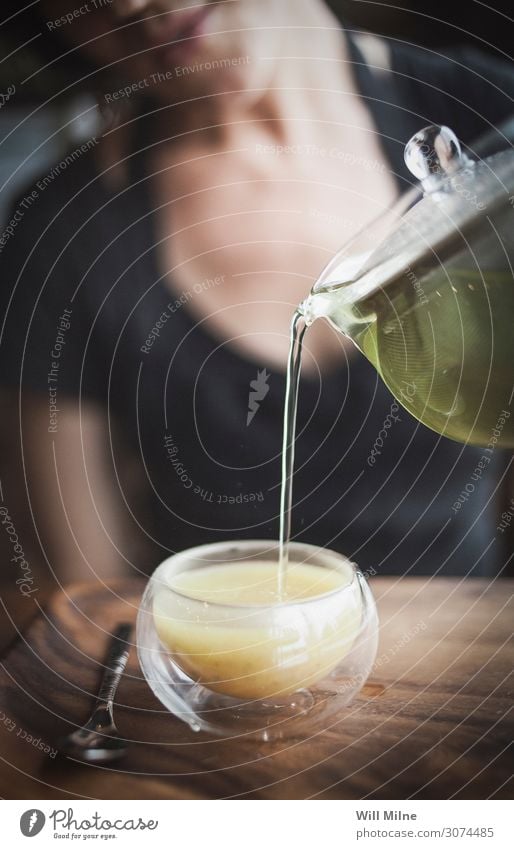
[(426, 292)]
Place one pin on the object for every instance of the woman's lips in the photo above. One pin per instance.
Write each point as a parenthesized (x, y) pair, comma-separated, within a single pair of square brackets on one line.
[(176, 34)]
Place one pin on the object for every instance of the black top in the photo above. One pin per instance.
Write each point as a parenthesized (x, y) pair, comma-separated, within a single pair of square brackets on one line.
[(81, 267)]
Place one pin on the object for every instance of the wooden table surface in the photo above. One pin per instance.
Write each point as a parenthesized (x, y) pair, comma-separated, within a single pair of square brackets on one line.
[(433, 721)]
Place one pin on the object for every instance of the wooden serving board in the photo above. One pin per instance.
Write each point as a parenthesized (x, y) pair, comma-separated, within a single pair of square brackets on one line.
[(433, 721)]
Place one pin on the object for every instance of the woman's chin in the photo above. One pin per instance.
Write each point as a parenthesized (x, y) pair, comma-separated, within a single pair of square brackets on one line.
[(203, 78)]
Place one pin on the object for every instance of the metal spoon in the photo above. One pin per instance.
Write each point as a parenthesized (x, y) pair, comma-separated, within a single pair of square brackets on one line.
[(98, 740)]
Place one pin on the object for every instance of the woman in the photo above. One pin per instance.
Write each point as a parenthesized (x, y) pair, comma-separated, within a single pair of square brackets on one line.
[(154, 279)]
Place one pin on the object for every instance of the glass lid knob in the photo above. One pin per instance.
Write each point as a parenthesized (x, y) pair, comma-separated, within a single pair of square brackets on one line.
[(432, 154)]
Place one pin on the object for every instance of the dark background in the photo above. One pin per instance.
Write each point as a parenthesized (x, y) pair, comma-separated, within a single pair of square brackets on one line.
[(452, 22), (427, 23)]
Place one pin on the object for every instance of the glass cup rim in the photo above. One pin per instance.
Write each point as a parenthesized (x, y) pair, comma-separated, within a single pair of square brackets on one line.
[(355, 574)]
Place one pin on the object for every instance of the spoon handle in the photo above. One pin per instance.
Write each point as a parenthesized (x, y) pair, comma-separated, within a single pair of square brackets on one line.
[(115, 664)]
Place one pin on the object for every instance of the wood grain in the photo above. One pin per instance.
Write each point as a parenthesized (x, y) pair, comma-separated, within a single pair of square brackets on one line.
[(433, 721)]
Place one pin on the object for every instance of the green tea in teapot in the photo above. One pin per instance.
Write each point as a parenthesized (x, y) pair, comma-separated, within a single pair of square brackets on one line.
[(442, 342)]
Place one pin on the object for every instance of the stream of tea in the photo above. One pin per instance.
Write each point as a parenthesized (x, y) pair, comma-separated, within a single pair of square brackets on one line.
[(294, 364)]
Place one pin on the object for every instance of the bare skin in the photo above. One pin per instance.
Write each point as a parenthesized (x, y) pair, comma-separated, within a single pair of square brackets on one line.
[(258, 181)]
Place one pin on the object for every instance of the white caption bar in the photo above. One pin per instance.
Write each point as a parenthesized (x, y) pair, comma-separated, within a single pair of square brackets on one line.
[(246, 825)]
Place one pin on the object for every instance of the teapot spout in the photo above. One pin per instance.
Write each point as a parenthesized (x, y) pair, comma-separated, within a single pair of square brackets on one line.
[(339, 308), (317, 305)]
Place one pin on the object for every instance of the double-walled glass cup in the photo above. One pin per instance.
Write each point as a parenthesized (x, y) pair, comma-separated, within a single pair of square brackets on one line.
[(269, 669)]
